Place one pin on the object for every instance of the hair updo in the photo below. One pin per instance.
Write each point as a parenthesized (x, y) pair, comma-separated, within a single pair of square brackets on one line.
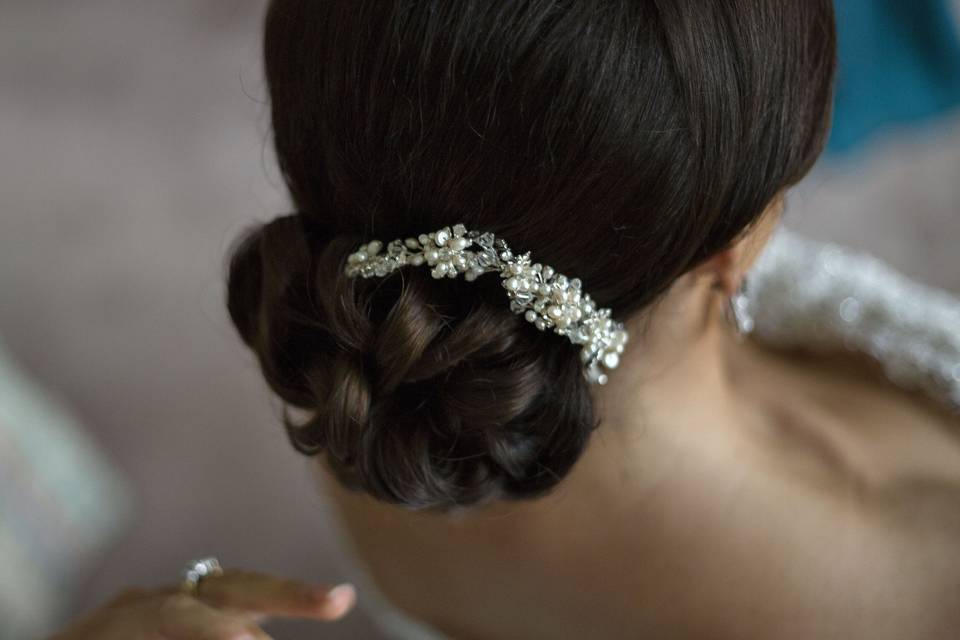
[(621, 141)]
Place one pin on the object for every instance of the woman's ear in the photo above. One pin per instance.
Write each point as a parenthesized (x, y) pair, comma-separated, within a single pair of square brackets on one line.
[(726, 269), (722, 270)]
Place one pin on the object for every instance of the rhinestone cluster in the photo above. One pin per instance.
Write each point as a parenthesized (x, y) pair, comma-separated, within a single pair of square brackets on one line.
[(547, 299)]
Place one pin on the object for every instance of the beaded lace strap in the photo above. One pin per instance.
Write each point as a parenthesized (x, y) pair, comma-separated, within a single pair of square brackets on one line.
[(806, 293)]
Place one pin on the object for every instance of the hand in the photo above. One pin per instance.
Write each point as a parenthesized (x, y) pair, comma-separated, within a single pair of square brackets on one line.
[(226, 607)]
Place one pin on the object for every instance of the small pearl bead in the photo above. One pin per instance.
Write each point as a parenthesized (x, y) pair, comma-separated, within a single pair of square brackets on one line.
[(530, 315), (373, 248), (611, 360), (432, 255), (512, 284)]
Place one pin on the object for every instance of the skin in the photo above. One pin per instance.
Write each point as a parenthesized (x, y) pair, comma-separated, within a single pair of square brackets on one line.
[(731, 491), (227, 607)]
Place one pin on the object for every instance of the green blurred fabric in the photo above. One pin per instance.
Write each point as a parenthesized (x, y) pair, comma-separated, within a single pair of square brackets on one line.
[(61, 502)]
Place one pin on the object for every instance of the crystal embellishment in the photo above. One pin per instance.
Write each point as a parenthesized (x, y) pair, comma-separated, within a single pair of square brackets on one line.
[(547, 299)]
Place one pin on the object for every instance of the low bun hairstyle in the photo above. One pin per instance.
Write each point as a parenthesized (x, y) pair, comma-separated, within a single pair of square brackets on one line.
[(420, 394), (621, 141)]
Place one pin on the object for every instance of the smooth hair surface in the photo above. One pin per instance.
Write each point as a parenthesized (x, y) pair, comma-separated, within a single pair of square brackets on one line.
[(622, 142)]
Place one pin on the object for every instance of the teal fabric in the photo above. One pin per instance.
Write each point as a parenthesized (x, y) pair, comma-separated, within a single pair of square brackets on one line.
[(899, 63)]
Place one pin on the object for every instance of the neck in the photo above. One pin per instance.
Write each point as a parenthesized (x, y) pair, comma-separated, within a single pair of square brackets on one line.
[(675, 368), (673, 379)]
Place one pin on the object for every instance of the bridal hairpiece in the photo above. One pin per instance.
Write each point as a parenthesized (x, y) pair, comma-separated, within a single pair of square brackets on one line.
[(547, 299)]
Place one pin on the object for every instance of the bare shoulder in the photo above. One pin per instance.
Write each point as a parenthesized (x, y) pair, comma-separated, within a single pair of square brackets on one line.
[(900, 447)]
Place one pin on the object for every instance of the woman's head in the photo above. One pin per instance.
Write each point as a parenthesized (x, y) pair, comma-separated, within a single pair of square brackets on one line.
[(622, 142)]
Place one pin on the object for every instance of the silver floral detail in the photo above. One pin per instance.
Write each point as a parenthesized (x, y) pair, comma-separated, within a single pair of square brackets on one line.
[(547, 299)]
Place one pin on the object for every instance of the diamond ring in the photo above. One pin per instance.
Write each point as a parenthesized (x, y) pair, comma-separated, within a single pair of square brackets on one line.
[(197, 570)]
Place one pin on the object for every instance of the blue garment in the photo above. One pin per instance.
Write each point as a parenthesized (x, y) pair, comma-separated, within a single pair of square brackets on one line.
[(899, 62)]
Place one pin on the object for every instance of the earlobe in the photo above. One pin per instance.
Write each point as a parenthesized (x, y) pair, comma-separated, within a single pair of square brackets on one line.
[(727, 269), (723, 270)]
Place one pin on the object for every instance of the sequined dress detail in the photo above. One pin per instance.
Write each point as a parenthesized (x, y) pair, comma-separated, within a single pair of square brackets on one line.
[(824, 296)]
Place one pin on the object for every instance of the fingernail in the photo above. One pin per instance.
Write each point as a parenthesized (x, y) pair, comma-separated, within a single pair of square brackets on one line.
[(345, 592)]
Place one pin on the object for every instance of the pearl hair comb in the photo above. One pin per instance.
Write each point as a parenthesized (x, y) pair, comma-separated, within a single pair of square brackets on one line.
[(547, 299)]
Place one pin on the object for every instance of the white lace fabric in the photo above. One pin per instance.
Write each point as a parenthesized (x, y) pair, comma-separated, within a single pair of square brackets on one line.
[(802, 293), (823, 296)]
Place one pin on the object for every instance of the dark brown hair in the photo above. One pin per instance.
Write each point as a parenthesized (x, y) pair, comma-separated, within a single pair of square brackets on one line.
[(620, 141)]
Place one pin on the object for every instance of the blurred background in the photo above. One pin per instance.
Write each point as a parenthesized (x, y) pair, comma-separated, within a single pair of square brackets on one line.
[(135, 431)]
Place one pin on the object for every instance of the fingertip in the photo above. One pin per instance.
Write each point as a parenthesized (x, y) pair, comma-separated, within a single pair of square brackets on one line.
[(338, 601), (251, 634), (345, 592)]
